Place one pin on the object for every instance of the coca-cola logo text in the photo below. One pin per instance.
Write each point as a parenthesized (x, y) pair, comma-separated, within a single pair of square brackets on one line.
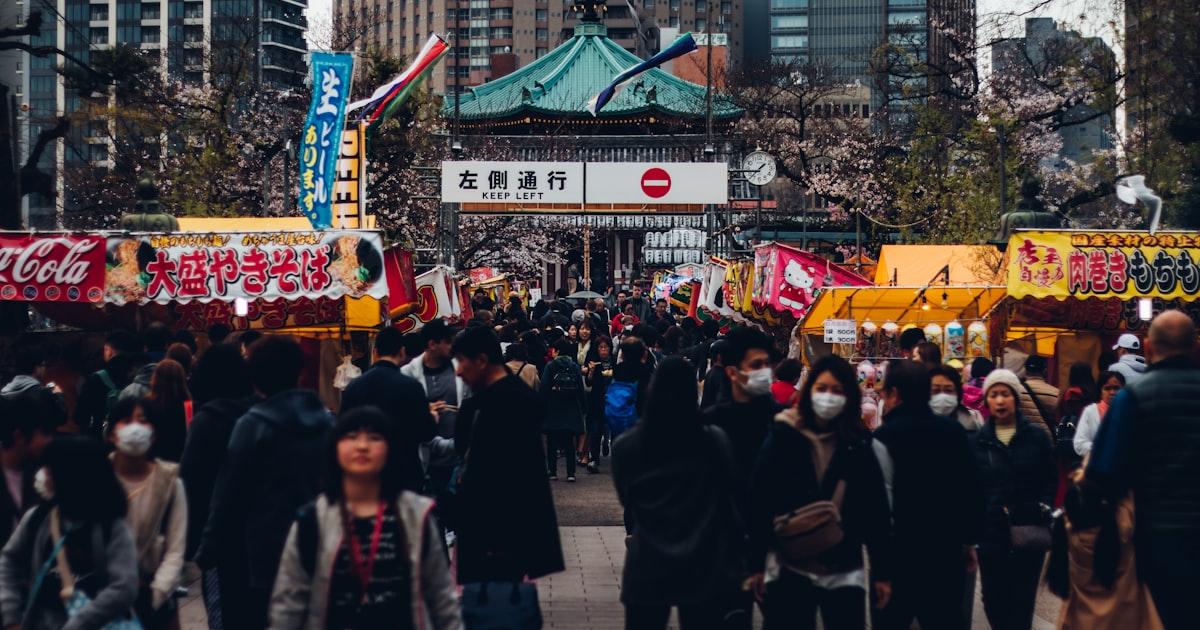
[(58, 260)]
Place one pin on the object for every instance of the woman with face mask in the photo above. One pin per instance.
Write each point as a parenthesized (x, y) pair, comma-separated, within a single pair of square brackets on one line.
[(75, 547), (819, 451), (945, 398), (157, 512)]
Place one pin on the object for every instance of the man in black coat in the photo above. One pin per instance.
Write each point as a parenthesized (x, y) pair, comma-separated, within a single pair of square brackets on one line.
[(272, 468), (398, 395), (937, 504), (508, 529), (91, 408)]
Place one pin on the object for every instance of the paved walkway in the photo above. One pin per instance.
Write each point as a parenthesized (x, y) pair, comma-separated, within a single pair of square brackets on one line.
[(587, 595)]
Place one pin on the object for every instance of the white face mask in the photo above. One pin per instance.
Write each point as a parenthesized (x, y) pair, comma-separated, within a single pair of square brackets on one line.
[(134, 439), (758, 382), (39, 485), (828, 405), (943, 404)]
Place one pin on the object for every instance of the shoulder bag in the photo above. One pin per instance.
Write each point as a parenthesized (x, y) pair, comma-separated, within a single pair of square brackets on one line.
[(810, 530)]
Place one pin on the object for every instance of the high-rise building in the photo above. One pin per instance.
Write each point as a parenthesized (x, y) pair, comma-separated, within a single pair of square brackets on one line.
[(903, 49), (1040, 55), (492, 38), (188, 39)]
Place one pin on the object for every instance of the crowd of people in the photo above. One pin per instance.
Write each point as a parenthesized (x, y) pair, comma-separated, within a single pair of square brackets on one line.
[(746, 479)]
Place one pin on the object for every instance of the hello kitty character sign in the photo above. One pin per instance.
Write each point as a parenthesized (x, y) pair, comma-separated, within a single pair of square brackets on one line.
[(799, 283), (792, 279)]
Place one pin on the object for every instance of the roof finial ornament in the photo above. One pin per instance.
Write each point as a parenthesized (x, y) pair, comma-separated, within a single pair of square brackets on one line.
[(592, 10)]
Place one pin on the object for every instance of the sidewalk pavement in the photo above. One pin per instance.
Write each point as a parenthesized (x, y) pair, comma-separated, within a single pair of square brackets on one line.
[(587, 595)]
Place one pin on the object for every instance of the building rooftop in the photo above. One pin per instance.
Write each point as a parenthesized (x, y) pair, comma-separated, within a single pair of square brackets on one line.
[(559, 85)]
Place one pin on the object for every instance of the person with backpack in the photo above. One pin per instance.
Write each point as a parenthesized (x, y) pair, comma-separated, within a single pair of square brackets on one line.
[(75, 544), (102, 389), (517, 355), (266, 476), (817, 496), (674, 475), (366, 553), (627, 390), (157, 512), (563, 391)]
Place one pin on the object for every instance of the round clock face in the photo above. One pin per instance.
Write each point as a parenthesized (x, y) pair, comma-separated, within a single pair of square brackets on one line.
[(760, 167)]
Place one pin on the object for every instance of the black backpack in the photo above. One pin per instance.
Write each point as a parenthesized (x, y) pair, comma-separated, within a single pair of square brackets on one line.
[(565, 382)]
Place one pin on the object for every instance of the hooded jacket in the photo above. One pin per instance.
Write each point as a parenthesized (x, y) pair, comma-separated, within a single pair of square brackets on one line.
[(20, 384), (270, 471), (1131, 366), (141, 382), (300, 600)]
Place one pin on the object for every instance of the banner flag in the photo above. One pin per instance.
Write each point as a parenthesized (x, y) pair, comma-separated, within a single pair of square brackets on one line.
[(388, 98), (321, 140), (681, 47)]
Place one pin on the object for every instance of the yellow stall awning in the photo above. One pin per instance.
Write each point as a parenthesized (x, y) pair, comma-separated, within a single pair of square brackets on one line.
[(903, 305), (909, 265)]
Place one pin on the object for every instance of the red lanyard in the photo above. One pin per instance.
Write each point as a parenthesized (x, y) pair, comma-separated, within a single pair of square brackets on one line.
[(361, 571)]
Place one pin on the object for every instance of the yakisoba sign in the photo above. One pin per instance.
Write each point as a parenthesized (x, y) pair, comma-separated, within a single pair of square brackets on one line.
[(167, 268)]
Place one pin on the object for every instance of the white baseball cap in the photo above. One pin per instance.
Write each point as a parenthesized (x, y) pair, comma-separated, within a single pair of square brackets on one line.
[(1129, 342)]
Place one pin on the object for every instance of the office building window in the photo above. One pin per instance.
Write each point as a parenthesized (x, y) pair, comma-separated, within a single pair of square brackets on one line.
[(915, 18), (788, 22), (701, 6), (542, 34), (98, 35), (98, 12), (541, 15), (790, 4), (150, 34), (789, 41), (674, 21), (727, 8), (152, 11), (701, 25)]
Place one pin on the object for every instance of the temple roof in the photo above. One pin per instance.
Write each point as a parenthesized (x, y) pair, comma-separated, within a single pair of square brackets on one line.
[(562, 81)]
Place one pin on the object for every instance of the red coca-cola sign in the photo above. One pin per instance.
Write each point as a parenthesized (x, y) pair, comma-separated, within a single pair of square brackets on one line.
[(52, 268)]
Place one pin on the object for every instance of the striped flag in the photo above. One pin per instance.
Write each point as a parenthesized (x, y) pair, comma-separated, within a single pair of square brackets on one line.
[(681, 47), (389, 97)]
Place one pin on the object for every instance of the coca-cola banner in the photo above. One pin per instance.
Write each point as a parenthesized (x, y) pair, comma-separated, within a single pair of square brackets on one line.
[(181, 268), (51, 267)]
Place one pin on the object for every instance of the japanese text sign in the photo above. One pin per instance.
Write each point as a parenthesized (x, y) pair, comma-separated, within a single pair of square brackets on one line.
[(841, 331), (512, 182), (51, 268), (1104, 264), (321, 138), (269, 265)]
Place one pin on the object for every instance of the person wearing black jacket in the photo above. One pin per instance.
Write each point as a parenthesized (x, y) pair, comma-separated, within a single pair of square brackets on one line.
[(562, 391), (1016, 460), (685, 551), (91, 408), (508, 529), (267, 475), (599, 374), (401, 397), (819, 451), (937, 501), (28, 423)]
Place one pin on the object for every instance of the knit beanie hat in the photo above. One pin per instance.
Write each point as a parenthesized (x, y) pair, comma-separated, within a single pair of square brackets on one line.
[(1003, 377)]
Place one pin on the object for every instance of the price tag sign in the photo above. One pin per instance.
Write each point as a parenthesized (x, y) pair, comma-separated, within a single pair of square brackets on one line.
[(841, 331)]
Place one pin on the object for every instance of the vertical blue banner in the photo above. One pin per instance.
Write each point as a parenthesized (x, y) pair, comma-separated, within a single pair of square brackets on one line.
[(321, 139)]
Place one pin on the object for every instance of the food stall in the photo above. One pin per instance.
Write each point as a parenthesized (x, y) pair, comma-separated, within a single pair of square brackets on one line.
[(1072, 293)]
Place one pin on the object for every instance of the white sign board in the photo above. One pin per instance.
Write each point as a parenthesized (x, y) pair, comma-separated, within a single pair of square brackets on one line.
[(657, 183), (512, 182), (841, 331)]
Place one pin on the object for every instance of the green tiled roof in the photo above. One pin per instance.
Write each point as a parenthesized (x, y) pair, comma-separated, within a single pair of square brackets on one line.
[(563, 80)]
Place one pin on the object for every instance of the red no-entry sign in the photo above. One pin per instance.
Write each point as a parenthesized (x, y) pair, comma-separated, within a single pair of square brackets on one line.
[(656, 183)]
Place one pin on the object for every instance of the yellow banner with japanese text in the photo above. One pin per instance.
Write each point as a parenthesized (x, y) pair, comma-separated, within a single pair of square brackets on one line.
[(1085, 264)]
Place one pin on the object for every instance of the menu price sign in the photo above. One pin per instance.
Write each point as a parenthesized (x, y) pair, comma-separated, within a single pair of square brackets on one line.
[(179, 268), (58, 268), (841, 331)]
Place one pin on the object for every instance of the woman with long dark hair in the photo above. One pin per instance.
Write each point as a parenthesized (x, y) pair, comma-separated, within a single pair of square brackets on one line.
[(80, 530), (819, 451), (366, 553), (675, 478), (167, 409)]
